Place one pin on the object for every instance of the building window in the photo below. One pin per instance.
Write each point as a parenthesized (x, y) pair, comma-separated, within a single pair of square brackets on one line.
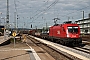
[(86, 31)]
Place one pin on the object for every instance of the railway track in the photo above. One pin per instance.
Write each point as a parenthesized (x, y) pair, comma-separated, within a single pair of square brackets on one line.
[(83, 49), (78, 50), (86, 39), (23, 51), (54, 51)]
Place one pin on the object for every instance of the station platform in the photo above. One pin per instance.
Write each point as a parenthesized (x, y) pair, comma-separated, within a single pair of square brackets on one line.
[(3, 39), (23, 51)]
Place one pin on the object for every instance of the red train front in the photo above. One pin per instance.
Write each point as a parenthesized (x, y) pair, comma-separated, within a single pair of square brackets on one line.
[(67, 34)]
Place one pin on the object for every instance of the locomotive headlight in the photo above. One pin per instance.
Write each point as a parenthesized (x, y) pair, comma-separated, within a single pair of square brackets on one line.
[(67, 35)]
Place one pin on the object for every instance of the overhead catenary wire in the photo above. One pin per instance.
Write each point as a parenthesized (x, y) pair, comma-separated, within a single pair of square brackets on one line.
[(37, 15), (40, 12), (43, 11), (76, 10), (47, 8), (37, 11)]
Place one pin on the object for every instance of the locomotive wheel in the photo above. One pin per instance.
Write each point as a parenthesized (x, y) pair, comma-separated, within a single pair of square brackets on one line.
[(52, 39), (61, 42)]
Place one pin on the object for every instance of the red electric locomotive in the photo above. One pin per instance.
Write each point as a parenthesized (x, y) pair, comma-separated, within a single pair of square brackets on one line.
[(67, 33)]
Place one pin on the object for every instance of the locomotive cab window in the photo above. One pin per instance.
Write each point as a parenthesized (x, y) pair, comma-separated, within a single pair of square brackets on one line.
[(73, 29)]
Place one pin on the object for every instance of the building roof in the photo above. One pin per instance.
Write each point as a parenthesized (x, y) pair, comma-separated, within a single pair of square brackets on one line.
[(82, 19)]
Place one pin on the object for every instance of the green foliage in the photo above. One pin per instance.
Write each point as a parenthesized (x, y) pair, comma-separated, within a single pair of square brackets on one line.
[(45, 29)]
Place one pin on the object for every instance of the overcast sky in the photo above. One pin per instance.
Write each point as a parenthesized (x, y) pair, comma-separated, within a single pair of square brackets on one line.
[(40, 12)]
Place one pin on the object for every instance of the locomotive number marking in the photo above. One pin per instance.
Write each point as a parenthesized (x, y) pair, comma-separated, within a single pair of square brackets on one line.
[(58, 32)]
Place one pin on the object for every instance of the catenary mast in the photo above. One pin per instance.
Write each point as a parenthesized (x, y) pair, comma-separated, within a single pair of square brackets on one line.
[(7, 16)]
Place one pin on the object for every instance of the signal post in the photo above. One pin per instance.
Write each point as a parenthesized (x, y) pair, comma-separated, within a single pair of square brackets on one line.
[(14, 34)]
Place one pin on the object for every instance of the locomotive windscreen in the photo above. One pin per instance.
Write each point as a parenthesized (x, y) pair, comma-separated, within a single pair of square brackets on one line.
[(73, 29)]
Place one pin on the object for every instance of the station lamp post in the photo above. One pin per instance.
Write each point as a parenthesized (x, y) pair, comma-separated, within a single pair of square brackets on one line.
[(4, 28), (0, 18)]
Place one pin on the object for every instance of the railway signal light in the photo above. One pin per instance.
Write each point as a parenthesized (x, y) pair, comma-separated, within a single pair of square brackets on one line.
[(31, 25)]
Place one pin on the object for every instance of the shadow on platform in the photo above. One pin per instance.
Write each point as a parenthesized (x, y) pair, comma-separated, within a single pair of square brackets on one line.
[(5, 43)]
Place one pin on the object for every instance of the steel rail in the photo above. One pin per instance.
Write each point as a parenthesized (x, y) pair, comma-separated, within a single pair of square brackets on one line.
[(62, 49)]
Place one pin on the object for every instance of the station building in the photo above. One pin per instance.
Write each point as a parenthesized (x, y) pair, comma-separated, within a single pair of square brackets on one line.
[(84, 25)]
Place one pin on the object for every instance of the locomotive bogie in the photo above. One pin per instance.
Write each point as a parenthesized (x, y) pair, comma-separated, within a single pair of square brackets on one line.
[(71, 41), (67, 41)]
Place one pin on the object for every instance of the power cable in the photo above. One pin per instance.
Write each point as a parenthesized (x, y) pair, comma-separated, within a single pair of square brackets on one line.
[(35, 11), (47, 8), (15, 5), (43, 11), (75, 12), (37, 15)]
